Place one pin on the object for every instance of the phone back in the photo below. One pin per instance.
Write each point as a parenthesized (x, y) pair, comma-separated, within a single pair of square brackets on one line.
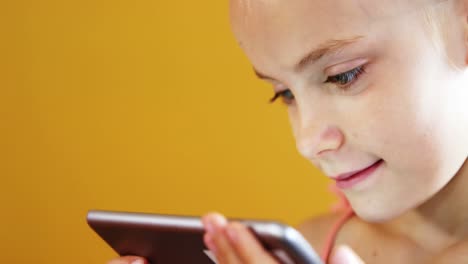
[(165, 239)]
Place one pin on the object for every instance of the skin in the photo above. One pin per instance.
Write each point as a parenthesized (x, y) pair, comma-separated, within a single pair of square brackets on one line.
[(408, 108)]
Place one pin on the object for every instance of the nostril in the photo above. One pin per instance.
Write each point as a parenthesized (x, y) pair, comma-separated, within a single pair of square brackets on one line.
[(322, 152)]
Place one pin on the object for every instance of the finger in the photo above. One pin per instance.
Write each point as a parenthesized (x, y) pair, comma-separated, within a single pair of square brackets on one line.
[(225, 253), (128, 260), (210, 231), (209, 221), (247, 247), (345, 255), (208, 240), (217, 241)]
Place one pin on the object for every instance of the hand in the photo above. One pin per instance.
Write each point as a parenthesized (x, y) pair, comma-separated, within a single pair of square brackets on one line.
[(128, 260), (233, 243), (345, 255)]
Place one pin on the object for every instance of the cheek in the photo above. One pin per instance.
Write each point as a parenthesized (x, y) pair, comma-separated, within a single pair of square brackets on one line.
[(405, 108), (403, 126), (420, 130), (424, 128)]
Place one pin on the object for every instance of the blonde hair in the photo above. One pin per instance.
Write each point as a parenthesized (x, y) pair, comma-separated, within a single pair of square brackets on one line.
[(438, 20)]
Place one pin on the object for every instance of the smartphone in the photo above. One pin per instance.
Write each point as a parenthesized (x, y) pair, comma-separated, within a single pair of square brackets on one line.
[(170, 239)]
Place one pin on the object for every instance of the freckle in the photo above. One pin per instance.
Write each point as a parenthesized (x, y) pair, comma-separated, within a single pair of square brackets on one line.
[(374, 253)]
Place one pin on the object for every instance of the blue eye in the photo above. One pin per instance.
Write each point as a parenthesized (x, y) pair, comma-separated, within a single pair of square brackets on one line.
[(342, 80), (287, 96), (347, 78)]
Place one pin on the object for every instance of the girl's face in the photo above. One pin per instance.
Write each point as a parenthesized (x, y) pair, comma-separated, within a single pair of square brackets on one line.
[(400, 100)]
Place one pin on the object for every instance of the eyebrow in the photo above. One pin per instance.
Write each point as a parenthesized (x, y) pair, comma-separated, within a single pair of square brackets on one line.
[(324, 49)]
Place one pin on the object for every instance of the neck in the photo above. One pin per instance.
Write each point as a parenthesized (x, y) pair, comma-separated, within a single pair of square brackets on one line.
[(443, 220), (448, 209)]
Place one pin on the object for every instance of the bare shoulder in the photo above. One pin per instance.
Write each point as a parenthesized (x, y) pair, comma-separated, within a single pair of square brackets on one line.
[(457, 253), (316, 229), (354, 232), (377, 242)]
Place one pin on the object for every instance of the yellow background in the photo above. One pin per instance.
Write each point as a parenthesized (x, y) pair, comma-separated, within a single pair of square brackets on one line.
[(139, 106)]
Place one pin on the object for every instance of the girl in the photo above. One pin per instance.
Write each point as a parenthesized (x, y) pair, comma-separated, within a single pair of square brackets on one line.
[(377, 94)]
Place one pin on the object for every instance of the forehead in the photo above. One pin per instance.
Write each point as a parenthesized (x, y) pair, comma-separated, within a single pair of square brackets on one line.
[(283, 29)]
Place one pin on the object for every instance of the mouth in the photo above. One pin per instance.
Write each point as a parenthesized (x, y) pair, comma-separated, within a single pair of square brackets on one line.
[(348, 180)]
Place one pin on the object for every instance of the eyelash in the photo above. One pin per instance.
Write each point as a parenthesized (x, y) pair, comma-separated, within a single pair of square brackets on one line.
[(343, 80)]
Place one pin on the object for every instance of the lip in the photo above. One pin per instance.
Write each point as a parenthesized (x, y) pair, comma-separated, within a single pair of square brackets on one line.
[(348, 180)]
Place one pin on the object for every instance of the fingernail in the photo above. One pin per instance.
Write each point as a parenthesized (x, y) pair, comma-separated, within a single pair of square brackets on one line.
[(138, 261), (218, 221)]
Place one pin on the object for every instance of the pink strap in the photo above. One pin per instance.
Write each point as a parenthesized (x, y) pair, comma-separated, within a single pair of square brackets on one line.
[(342, 205), (330, 241)]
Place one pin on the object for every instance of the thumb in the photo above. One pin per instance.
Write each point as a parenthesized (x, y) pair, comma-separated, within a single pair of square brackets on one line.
[(345, 255)]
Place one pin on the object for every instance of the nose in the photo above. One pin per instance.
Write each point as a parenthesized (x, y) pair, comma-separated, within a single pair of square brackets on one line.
[(315, 141)]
